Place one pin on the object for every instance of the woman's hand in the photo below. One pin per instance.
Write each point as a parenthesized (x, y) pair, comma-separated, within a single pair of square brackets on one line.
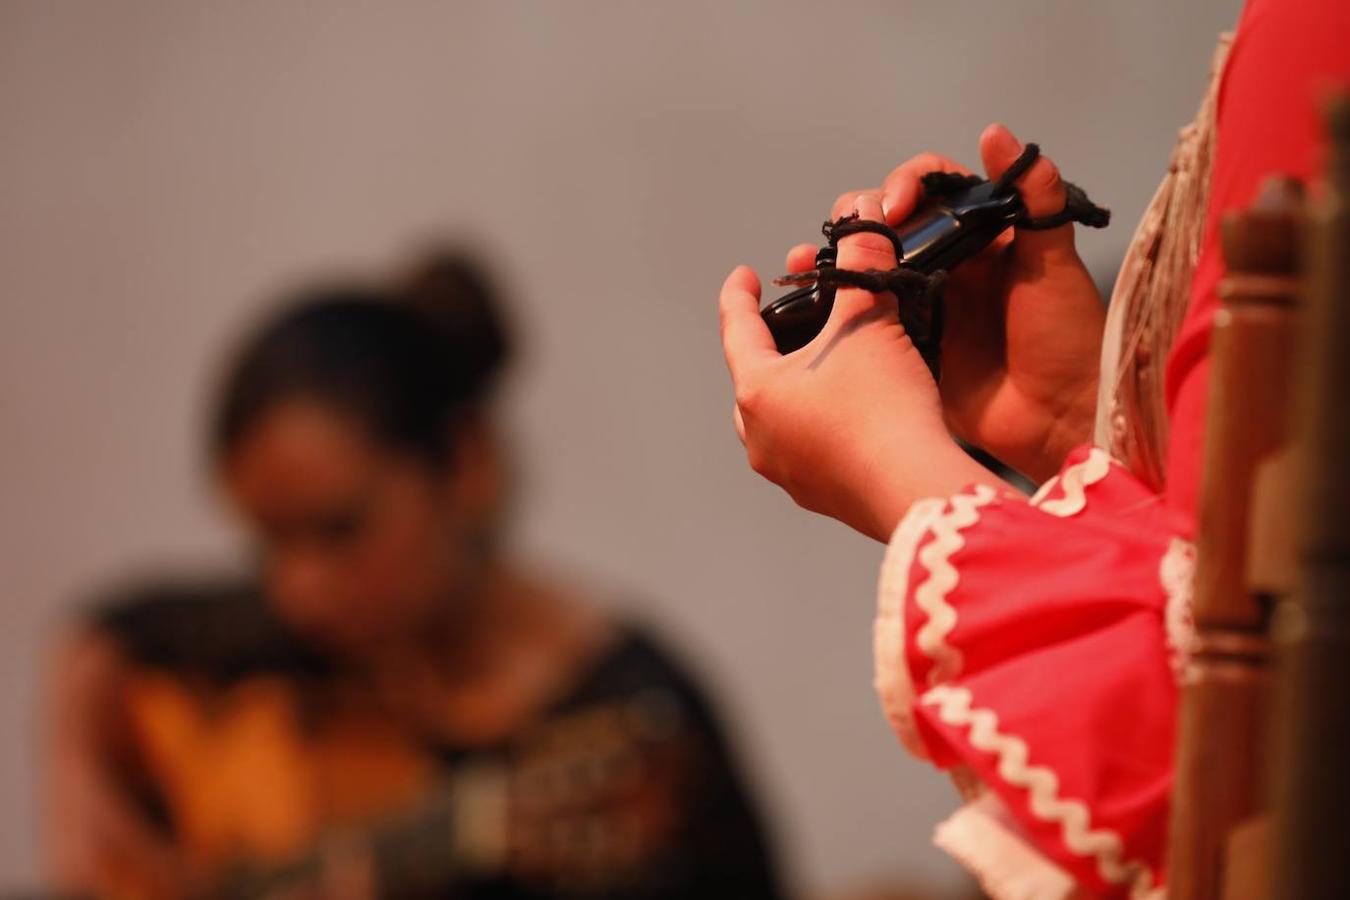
[(851, 424), (1024, 320)]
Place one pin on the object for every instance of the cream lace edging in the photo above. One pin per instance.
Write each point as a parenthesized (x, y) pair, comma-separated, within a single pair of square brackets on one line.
[(891, 673), (1151, 295), (982, 838), (1176, 573)]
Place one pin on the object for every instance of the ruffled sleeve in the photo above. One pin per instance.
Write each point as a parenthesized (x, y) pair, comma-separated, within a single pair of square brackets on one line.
[(1032, 645)]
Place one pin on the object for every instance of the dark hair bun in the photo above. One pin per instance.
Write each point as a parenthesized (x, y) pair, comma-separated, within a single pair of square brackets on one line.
[(408, 361), (452, 291)]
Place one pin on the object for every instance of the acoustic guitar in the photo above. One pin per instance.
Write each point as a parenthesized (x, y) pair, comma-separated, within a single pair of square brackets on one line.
[(268, 799)]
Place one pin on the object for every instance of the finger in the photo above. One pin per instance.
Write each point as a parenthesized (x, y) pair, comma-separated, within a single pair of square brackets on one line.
[(863, 251), (903, 188), (746, 340), (737, 418), (846, 202), (801, 258), (866, 250), (1041, 188)]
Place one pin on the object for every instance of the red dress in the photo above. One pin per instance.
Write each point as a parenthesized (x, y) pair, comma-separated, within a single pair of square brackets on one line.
[(1029, 647)]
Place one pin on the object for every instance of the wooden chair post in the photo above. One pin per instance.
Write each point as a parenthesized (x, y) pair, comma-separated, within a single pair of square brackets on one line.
[(1311, 839), (1220, 756)]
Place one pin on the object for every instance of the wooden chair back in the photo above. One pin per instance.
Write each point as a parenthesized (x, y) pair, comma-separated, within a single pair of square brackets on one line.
[(1221, 757), (1311, 718)]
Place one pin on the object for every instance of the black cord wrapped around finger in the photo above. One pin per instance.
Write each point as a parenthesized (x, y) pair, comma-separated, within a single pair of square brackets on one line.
[(919, 297)]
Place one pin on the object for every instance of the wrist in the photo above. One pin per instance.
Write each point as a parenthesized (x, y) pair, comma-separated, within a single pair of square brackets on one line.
[(913, 470), (1068, 427)]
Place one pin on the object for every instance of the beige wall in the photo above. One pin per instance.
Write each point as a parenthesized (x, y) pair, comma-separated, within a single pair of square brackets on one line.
[(164, 166)]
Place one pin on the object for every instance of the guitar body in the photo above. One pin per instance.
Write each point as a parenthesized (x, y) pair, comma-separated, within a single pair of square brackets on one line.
[(249, 776), (272, 790)]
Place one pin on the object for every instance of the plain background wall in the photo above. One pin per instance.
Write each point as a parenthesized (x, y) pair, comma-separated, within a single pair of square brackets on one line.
[(166, 167)]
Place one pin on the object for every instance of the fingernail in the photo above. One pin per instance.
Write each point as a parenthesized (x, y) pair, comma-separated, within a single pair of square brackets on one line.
[(867, 207)]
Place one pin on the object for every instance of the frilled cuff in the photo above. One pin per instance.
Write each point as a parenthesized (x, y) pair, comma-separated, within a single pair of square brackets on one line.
[(1028, 642)]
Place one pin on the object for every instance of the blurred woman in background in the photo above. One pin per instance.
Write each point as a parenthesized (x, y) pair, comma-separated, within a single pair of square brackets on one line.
[(399, 709)]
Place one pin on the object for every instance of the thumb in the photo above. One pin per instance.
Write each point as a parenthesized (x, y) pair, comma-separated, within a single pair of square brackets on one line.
[(1041, 188)]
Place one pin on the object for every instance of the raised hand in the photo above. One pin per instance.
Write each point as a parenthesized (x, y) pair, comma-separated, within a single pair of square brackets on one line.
[(1024, 319), (850, 425)]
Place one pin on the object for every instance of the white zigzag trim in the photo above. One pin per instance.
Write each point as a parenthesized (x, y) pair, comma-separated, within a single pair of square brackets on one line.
[(1176, 572), (953, 705), (890, 671), (931, 595), (1074, 480)]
